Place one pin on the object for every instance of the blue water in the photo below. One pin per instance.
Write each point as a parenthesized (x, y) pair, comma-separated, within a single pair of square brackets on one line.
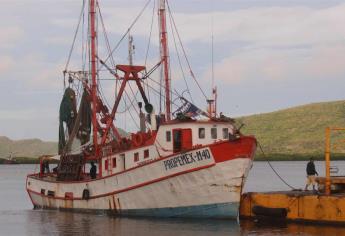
[(18, 218)]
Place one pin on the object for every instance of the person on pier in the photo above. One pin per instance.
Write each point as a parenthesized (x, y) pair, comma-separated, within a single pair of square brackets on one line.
[(311, 172)]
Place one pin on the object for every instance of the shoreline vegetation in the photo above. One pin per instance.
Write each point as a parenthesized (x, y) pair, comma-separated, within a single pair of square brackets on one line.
[(258, 158), (298, 157)]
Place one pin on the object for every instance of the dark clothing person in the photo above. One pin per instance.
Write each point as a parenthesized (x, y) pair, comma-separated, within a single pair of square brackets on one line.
[(46, 166), (311, 168), (93, 171), (311, 172)]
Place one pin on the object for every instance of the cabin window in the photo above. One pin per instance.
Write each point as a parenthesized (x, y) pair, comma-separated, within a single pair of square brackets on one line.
[(225, 133), (214, 133), (201, 133), (106, 164), (43, 191), (146, 153), (136, 156), (51, 193), (114, 162), (168, 136)]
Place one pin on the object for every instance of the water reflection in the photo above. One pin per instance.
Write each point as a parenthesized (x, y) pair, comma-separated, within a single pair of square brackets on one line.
[(43, 222), (281, 228)]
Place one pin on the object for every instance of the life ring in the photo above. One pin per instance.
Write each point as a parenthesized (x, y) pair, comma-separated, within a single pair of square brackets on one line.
[(137, 139)]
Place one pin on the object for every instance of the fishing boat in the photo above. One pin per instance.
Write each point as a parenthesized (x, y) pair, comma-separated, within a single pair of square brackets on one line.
[(10, 160), (180, 162)]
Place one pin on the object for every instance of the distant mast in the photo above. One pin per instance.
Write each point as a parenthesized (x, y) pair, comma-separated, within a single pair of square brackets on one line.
[(165, 57), (93, 36)]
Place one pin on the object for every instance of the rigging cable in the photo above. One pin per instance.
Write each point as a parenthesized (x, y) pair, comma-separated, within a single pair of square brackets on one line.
[(75, 36), (184, 51), (159, 94), (269, 163), (135, 97), (128, 30), (148, 45), (109, 49), (130, 113), (179, 59), (105, 35), (150, 35)]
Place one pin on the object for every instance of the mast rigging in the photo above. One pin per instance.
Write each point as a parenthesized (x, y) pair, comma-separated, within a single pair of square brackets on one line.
[(165, 57), (93, 36)]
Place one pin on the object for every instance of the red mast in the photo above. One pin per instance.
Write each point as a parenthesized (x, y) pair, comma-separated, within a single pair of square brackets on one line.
[(93, 36), (165, 56)]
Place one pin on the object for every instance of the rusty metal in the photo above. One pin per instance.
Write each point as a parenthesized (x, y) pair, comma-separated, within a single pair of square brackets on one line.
[(70, 168), (299, 205)]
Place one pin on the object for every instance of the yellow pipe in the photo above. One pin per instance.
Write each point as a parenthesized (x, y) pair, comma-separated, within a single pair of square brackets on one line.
[(336, 128), (327, 159)]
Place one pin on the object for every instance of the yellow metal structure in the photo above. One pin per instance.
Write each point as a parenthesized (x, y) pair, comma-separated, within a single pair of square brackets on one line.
[(300, 206), (326, 205)]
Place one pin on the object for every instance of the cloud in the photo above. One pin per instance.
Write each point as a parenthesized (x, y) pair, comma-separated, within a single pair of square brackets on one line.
[(282, 44), (9, 36), (270, 26), (269, 65), (6, 64)]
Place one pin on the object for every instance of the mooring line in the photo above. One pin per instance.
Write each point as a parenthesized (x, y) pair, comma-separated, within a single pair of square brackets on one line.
[(269, 163)]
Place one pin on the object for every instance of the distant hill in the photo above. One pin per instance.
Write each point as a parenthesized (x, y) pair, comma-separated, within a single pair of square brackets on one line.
[(297, 130), (25, 147), (30, 147)]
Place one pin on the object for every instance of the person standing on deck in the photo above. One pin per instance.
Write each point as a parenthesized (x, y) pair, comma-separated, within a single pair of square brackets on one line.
[(93, 171), (311, 172)]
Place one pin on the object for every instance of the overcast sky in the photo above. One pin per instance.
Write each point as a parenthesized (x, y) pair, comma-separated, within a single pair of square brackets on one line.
[(269, 54)]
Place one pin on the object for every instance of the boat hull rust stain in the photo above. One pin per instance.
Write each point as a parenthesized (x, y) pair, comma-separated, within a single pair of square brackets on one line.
[(299, 205), (167, 200)]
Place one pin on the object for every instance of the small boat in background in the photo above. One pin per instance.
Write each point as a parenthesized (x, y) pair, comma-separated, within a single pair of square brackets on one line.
[(10, 160)]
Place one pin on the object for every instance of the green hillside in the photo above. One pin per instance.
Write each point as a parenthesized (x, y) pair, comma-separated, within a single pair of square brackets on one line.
[(298, 131)]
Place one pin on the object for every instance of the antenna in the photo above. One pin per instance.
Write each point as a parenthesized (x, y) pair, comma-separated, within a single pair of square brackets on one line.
[(212, 103), (212, 51), (131, 49)]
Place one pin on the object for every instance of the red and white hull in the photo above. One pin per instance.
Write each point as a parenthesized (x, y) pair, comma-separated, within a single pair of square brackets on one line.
[(203, 182)]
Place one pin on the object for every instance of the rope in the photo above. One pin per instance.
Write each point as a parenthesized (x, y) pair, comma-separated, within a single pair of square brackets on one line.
[(179, 60), (269, 163), (75, 36), (184, 51), (105, 35), (150, 35), (128, 30), (130, 113), (158, 93)]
